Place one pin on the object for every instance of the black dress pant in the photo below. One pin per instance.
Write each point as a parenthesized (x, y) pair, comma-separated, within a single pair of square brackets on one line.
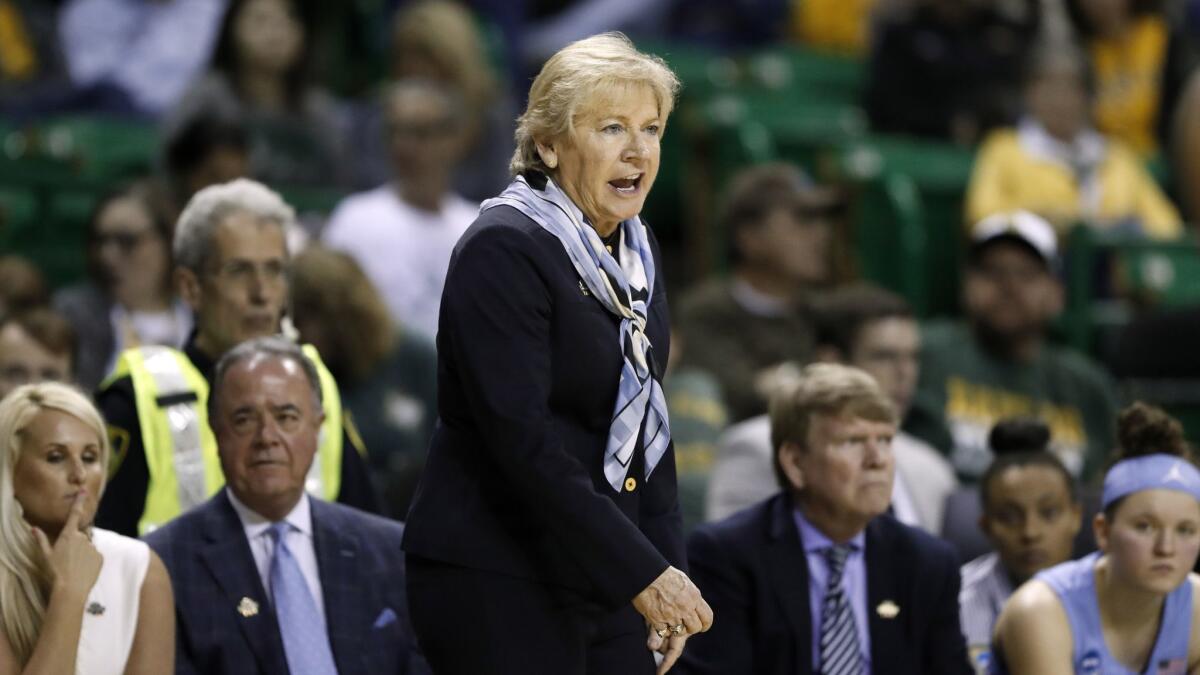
[(472, 622)]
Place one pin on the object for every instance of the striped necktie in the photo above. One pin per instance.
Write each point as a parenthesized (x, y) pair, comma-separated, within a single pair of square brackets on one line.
[(302, 627), (839, 637)]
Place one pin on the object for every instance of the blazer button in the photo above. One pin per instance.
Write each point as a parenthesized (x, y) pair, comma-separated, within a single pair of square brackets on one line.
[(630, 484)]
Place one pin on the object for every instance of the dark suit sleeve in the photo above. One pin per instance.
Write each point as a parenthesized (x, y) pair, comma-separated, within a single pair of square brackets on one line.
[(161, 544), (945, 647), (183, 658), (356, 489), (727, 647), (496, 315), (124, 498)]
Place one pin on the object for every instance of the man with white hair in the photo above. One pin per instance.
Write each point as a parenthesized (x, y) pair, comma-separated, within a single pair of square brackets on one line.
[(231, 268)]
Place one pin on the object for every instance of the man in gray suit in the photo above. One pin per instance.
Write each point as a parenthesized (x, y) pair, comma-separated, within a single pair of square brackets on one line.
[(874, 330)]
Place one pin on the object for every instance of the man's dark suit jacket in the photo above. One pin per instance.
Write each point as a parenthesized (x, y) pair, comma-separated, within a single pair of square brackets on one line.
[(752, 570), (226, 626), (528, 367)]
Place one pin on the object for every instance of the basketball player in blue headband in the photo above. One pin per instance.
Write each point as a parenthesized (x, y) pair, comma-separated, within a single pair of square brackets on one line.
[(1127, 608)]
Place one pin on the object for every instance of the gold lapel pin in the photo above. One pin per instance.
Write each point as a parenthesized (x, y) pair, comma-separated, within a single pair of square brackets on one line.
[(887, 609), (247, 608)]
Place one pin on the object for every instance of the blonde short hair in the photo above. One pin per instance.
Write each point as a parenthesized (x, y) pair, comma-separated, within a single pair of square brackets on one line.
[(25, 575), (825, 389), (575, 74)]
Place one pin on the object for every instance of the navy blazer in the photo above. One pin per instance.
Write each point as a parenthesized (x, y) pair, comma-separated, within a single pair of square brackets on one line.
[(219, 632), (752, 570), (528, 367)]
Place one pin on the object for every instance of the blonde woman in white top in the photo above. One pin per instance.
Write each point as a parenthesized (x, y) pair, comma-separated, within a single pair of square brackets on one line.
[(73, 599)]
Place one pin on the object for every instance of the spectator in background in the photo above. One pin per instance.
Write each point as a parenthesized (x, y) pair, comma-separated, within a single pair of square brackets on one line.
[(726, 26), (1056, 165), (402, 232), (868, 328), (137, 56), (128, 300), (949, 69), (997, 363), (35, 346), (1139, 67), (744, 329), (837, 26), (441, 41), (818, 578), (22, 286), (231, 263), (259, 73), (1031, 514), (387, 375), (208, 148), (31, 59)]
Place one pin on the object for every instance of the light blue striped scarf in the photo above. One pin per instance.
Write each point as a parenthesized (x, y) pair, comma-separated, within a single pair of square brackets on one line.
[(624, 289)]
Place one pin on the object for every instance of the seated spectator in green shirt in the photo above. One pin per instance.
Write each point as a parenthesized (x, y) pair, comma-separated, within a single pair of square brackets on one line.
[(998, 363), (755, 326)]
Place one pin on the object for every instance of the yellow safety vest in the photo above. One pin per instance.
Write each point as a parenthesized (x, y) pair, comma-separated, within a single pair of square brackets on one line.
[(181, 451)]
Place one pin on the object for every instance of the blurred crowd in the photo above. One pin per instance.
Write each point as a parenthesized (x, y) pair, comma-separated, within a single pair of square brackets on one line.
[(1081, 119)]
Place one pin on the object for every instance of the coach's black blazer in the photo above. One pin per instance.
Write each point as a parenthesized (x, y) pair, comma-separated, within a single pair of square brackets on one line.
[(528, 366), (226, 626), (752, 570)]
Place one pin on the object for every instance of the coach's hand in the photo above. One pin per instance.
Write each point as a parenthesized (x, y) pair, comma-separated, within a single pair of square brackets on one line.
[(673, 609)]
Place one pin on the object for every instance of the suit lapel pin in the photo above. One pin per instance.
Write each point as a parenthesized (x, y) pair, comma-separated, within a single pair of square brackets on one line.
[(247, 608), (887, 609), (583, 289)]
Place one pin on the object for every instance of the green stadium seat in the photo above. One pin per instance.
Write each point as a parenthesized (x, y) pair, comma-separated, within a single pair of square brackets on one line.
[(1110, 273), (96, 147), (802, 74), (939, 173), (18, 210), (889, 238)]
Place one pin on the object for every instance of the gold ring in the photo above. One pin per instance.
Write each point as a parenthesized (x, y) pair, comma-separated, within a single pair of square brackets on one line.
[(662, 632), (677, 629)]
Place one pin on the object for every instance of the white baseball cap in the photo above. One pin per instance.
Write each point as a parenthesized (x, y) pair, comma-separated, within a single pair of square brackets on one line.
[(1020, 226)]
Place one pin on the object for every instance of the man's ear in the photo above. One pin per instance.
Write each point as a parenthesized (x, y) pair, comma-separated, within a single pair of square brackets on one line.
[(548, 153), (789, 464), (188, 286)]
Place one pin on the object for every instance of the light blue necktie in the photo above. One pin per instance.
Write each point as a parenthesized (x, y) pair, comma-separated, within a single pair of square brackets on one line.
[(839, 637), (305, 641)]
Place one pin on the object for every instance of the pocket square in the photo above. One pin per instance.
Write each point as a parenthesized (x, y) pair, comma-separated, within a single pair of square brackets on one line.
[(386, 617)]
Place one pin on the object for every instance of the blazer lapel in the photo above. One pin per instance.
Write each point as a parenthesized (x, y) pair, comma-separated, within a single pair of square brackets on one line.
[(341, 586), (228, 558), (788, 569), (886, 615)]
